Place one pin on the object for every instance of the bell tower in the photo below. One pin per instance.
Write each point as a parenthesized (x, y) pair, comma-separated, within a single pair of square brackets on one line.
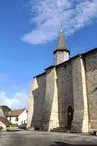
[(61, 52)]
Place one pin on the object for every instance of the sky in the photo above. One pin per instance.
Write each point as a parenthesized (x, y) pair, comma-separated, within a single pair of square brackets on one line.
[(28, 33)]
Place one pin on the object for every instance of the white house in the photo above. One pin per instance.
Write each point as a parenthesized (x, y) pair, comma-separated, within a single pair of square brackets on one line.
[(18, 117)]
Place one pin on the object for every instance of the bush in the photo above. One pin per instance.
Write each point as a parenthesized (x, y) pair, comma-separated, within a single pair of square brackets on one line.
[(14, 125)]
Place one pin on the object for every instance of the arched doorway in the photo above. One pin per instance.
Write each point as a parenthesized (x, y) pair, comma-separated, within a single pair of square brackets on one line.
[(70, 116)]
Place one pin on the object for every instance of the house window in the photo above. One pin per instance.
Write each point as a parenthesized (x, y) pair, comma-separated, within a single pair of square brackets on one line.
[(22, 122), (16, 118), (9, 118)]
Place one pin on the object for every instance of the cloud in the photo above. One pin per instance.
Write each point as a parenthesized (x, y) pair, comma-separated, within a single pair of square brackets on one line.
[(48, 15), (19, 100)]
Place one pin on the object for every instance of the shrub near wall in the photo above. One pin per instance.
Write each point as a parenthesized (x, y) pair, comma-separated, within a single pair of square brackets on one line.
[(14, 125)]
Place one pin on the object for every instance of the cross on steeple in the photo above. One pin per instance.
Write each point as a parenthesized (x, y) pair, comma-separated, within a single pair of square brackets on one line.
[(61, 26)]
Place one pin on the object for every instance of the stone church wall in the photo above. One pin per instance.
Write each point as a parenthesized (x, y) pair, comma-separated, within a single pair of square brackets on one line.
[(36, 101), (73, 83), (80, 118), (51, 100), (91, 78), (65, 91)]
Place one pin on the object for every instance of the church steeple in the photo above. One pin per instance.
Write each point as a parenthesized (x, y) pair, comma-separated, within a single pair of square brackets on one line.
[(61, 52)]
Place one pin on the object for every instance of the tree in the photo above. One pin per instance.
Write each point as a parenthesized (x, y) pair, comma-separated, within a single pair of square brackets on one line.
[(5, 108)]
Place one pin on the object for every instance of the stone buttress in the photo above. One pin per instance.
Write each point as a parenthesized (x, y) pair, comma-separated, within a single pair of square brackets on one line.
[(80, 117), (51, 100)]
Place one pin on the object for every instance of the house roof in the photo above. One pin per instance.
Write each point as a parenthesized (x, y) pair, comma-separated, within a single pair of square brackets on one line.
[(15, 113), (5, 121)]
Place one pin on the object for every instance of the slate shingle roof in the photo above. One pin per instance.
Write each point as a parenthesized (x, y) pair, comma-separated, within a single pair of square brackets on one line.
[(61, 44)]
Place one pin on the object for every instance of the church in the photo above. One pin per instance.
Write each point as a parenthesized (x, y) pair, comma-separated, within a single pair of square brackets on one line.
[(65, 94)]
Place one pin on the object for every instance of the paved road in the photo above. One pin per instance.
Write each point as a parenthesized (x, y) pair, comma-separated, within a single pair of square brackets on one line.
[(30, 138)]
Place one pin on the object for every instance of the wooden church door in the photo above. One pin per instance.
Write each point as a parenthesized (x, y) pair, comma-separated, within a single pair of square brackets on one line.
[(70, 116)]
